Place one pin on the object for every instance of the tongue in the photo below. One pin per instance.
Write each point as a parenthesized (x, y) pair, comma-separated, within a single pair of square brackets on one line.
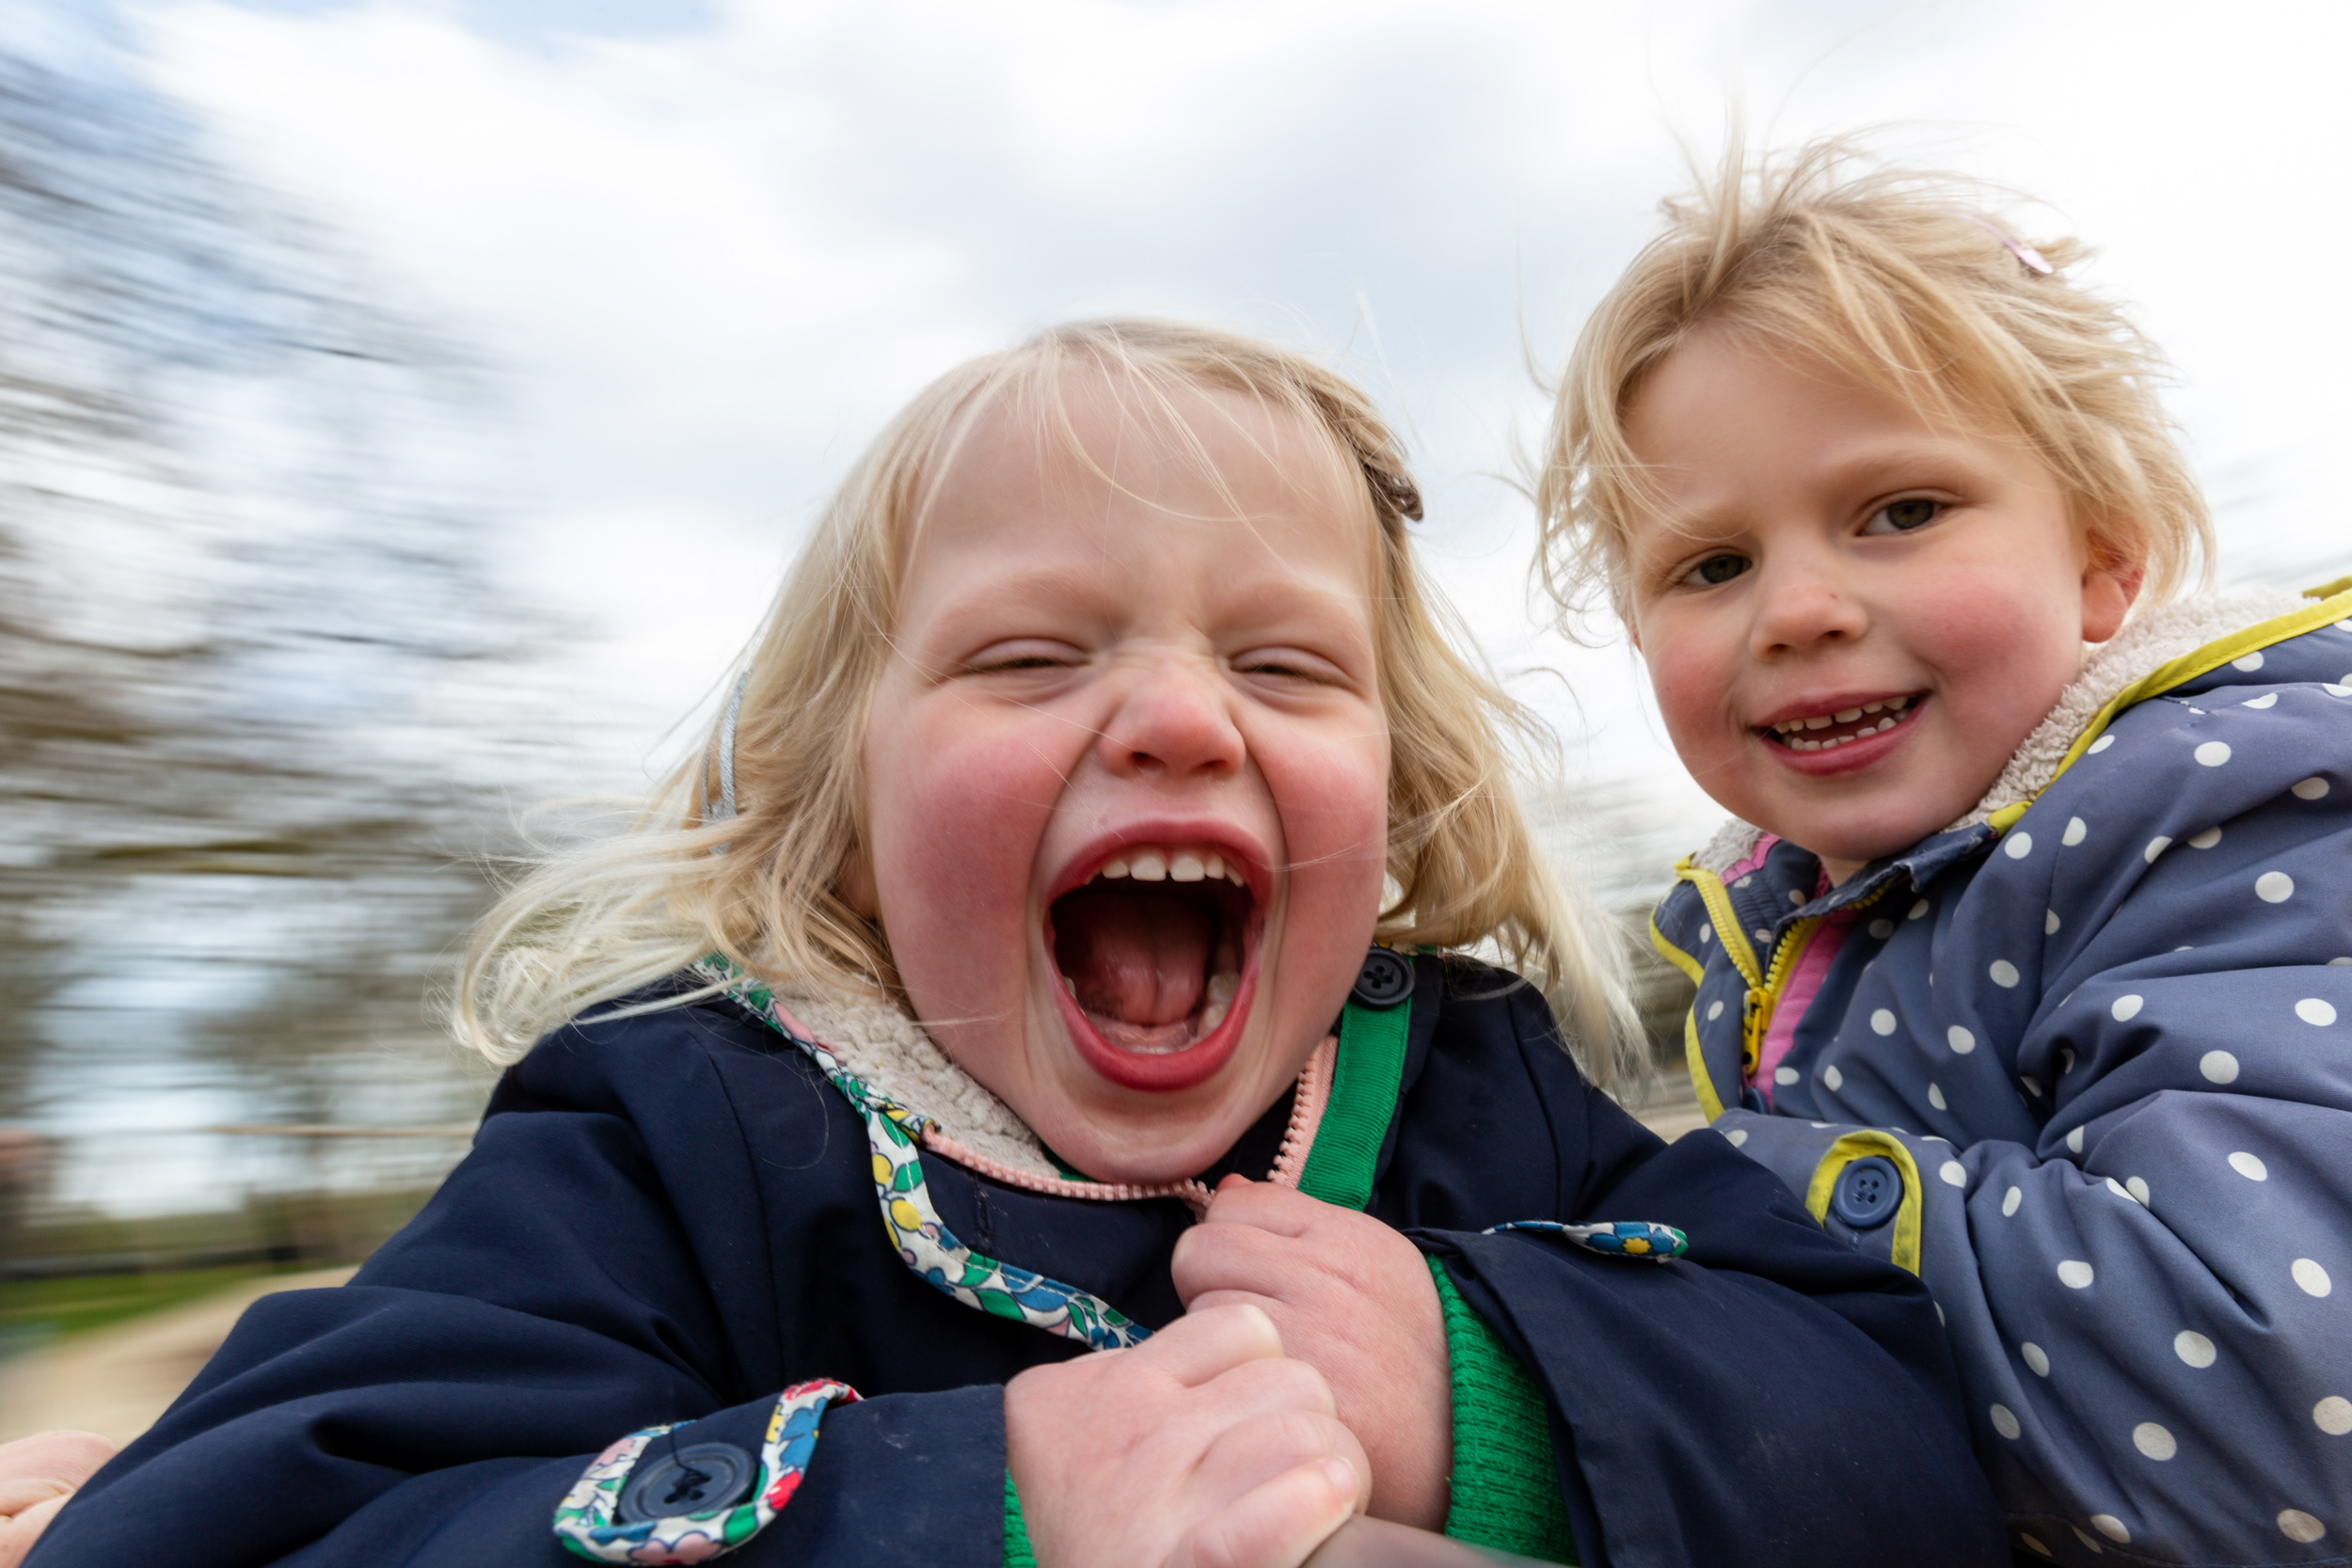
[(1135, 957)]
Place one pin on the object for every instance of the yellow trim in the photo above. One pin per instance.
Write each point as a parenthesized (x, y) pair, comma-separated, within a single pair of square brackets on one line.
[(1696, 972), (1856, 1146), (2329, 589), (2199, 661), (1725, 918)]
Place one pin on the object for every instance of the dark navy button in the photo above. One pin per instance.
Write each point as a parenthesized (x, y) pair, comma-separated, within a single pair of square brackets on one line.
[(696, 1478), (1386, 979), (1867, 1193)]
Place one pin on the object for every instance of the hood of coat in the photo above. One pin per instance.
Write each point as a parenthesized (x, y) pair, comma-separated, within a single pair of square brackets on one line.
[(2149, 642), (888, 1052)]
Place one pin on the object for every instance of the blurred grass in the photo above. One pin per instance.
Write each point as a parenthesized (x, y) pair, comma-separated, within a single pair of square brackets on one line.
[(38, 1310)]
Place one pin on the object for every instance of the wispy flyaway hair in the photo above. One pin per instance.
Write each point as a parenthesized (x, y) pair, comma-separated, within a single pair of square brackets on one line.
[(1914, 283), (605, 920)]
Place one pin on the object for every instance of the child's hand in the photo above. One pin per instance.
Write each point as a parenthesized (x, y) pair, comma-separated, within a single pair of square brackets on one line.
[(1202, 1447), (37, 1475), (1353, 1299)]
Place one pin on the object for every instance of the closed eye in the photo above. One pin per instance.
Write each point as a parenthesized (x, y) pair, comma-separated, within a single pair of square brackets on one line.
[(1288, 664), (1022, 654)]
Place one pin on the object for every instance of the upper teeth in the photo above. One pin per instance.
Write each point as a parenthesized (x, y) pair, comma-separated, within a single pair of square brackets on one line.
[(1844, 715), (1183, 865)]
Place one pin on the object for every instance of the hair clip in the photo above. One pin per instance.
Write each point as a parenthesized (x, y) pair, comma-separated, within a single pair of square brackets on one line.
[(2033, 258), (727, 765)]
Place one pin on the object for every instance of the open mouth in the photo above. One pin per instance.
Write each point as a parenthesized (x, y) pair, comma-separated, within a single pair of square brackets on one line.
[(1154, 952), (1824, 731)]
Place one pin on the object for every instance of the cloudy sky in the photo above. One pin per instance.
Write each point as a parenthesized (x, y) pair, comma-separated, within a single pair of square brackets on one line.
[(712, 246)]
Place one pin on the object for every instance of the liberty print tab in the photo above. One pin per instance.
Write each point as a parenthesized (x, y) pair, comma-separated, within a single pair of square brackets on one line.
[(1659, 1243), (585, 1520)]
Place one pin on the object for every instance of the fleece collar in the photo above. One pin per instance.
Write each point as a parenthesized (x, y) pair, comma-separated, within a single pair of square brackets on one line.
[(2148, 643), (890, 1053)]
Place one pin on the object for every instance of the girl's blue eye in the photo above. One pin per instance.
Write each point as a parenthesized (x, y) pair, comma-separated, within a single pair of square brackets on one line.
[(1903, 516), (1716, 569)]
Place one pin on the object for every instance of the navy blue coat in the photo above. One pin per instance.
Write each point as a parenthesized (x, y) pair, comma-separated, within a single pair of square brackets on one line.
[(672, 1216)]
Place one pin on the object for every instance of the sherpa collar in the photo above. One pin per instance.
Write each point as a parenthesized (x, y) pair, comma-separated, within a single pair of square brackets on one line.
[(2149, 642), (889, 1052)]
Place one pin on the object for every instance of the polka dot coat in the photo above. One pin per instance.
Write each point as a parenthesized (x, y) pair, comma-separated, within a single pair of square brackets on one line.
[(2104, 1041)]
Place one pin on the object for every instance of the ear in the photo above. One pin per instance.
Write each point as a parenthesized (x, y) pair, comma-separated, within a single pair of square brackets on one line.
[(2113, 570)]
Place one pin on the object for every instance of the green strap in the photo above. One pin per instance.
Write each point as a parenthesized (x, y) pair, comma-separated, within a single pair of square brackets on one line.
[(1363, 1101), (1505, 1485), (1017, 1552)]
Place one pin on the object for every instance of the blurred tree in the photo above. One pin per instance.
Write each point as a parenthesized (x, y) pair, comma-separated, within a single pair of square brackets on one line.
[(244, 728)]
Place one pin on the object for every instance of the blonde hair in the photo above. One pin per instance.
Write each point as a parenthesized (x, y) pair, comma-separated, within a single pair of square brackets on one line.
[(1910, 282), (763, 887)]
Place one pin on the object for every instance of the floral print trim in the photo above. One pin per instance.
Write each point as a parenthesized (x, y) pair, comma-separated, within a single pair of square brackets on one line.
[(585, 1521), (1659, 1243), (924, 1243)]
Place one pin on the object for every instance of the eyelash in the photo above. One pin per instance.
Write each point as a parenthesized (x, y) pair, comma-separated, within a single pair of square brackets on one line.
[(1690, 577)]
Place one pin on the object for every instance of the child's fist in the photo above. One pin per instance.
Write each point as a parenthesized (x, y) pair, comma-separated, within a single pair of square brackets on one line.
[(1204, 1447), (1353, 1299), (37, 1475)]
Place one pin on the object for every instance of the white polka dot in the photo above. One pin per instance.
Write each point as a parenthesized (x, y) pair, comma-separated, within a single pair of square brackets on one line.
[(2066, 1060), (2156, 846), (2250, 663), (2074, 1274), (2313, 1010), (2010, 1200), (2100, 745), (2032, 1085), (1916, 909), (2084, 1536), (2311, 1276), (2019, 846), (1881, 1022), (2153, 1441), (2295, 1525), (2250, 1167), (2126, 1009), (1882, 928), (2334, 691), (2334, 1416), (2004, 1421), (1796, 897), (2049, 923), (1833, 1078), (2004, 973), (2137, 1187), (1936, 1098), (1953, 1172), (2075, 832), (1738, 1137), (2334, 964), (2116, 1188), (1714, 1011), (2274, 887), (2193, 1348), (1706, 932), (1761, 935), (2036, 1357), (2205, 840), (1784, 1075), (2310, 788), (2030, 1542), (2268, 699), (2218, 1067), (2112, 1527), (2213, 753), (1960, 1039), (1819, 1124), (1743, 882)]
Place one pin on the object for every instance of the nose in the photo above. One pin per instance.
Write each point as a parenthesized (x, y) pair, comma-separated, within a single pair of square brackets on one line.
[(1803, 606), (1172, 722)]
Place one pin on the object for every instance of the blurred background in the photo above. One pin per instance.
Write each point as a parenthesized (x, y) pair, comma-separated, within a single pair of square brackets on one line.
[(407, 406)]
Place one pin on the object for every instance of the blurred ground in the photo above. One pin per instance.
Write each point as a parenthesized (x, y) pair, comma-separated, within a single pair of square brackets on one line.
[(116, 1380)]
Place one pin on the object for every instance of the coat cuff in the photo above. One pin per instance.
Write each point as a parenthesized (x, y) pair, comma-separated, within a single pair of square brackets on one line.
[(1505, 1480)]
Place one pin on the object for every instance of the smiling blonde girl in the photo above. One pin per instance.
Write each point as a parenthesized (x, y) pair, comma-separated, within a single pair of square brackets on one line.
[(2027, 962), (995, 988)]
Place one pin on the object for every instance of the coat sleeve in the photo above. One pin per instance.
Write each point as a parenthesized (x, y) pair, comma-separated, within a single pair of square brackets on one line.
[(551, 1300), (2147, 1268), (1771, 1397)]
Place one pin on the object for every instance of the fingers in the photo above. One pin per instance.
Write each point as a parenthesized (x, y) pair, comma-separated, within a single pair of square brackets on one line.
[(1267, 1206), (47, 1464), (1200, 1346), (1278, 1523), (17, 1535), (1217, 1256)]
